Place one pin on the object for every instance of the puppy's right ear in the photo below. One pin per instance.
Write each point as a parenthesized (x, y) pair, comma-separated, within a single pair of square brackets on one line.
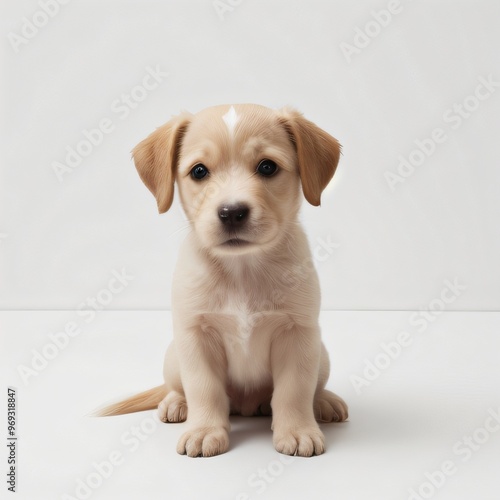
[(156, 159)]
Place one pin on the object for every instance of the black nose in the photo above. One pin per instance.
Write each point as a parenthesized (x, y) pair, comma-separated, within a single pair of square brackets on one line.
[(233, 215)]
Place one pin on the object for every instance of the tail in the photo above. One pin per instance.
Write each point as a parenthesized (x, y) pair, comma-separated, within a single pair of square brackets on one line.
[(147, 400)]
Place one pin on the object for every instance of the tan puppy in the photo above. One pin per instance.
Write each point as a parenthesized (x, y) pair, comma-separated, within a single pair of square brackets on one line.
[(246, 297)]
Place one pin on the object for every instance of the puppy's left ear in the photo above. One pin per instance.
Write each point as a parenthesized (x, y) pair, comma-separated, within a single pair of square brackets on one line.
[(318, 153)]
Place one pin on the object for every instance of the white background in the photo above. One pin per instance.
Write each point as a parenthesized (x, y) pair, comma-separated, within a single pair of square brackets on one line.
[(60, 241)]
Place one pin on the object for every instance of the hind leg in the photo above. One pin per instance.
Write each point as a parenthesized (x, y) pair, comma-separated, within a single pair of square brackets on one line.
[(173, 407), (328, 407)]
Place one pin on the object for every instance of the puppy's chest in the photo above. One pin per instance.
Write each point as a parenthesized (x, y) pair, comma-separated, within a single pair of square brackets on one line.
[(243, 319), (244, 325)]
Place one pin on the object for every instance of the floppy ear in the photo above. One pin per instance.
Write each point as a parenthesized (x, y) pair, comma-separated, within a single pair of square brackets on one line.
[(156, 159), (318, 154)]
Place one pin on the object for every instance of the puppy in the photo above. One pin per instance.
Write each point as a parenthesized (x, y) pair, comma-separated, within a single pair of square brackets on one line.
[(246, 297)]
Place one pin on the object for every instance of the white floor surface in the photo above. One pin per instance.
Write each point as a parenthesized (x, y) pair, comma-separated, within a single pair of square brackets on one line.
[(427, 424)]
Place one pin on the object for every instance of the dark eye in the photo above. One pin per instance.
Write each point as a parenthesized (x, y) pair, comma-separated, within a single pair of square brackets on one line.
[(267, 167), (199, 171)]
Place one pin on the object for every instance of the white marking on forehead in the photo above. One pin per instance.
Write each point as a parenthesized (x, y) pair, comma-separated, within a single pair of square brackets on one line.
[(231, 119)]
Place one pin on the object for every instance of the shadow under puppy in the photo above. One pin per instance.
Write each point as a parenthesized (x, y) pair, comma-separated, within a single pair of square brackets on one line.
[(246, 297)]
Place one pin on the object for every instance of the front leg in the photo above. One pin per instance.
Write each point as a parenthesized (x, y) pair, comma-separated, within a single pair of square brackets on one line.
[(295, 358), (203, 373)]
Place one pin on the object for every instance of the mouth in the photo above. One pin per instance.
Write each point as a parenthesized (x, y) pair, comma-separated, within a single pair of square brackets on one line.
[(235, 242)]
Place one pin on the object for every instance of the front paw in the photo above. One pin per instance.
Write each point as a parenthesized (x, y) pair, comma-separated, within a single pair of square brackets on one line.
[(203, 442), (303, 441)]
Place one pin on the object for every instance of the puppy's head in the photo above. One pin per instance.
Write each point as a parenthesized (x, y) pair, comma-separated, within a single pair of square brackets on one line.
[(239, 170)]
